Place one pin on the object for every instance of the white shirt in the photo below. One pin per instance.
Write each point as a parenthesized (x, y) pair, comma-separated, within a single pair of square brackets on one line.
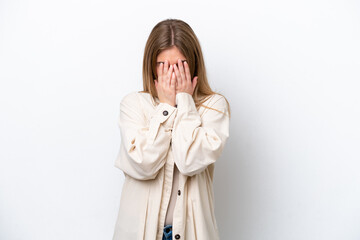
[(154, 137)]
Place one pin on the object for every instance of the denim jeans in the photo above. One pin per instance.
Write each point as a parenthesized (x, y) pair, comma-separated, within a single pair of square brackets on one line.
[(167, 235)]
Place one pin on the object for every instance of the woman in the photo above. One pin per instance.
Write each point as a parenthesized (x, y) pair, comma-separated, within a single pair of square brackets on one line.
[(172, 133)]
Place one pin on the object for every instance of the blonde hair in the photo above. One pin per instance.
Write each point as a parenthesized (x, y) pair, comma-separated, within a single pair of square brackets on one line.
[(175, 32)]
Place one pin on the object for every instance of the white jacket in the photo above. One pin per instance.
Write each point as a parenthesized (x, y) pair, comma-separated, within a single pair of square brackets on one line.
[(154, 137)]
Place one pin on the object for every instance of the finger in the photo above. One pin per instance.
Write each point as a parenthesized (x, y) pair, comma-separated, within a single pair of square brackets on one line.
[(166, 67), (173, 82), (169, 75), (187, 72), (194, 82), (160, 71), (177, 72), (182, 72)]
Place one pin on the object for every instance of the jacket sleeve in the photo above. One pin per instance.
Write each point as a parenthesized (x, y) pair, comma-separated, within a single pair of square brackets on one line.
[(144, 143), (198, 141)]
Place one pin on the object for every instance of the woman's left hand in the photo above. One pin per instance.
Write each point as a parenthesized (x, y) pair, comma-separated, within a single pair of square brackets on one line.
[(183, 78)]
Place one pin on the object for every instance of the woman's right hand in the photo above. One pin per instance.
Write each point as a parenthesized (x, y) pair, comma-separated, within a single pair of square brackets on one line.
[(165, 84)]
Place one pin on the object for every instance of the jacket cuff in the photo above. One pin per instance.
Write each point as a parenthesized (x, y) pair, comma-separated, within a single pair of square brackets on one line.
[(168, 113), (164, 114), (185, 102)]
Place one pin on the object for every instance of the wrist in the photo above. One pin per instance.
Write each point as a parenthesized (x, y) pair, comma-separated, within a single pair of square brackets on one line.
[(172, 104)]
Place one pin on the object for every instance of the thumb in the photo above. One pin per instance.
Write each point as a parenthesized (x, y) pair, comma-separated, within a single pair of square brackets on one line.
[(194, 82)]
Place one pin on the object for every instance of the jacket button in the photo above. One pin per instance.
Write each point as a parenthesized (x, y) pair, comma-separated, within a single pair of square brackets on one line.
[(177, 236), (179, 192), (165, 113)]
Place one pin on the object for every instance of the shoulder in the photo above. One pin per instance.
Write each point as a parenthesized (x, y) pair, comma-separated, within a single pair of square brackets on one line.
[(216, 100), (214, 105), (131, 98), (137, 101)]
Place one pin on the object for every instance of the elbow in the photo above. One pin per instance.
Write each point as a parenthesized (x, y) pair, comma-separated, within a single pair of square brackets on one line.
[(147, 176), (190, 172), (136, 168), (138, 174), (145, 171), (191, 167), (196, 160)]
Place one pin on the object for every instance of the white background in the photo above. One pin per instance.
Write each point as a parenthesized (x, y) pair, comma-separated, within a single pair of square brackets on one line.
[(290, 70)]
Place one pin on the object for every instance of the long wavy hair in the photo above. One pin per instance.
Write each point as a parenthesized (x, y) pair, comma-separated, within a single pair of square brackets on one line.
[(175, 32)]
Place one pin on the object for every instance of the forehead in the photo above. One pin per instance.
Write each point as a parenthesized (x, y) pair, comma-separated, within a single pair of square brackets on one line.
[(171, 54)]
